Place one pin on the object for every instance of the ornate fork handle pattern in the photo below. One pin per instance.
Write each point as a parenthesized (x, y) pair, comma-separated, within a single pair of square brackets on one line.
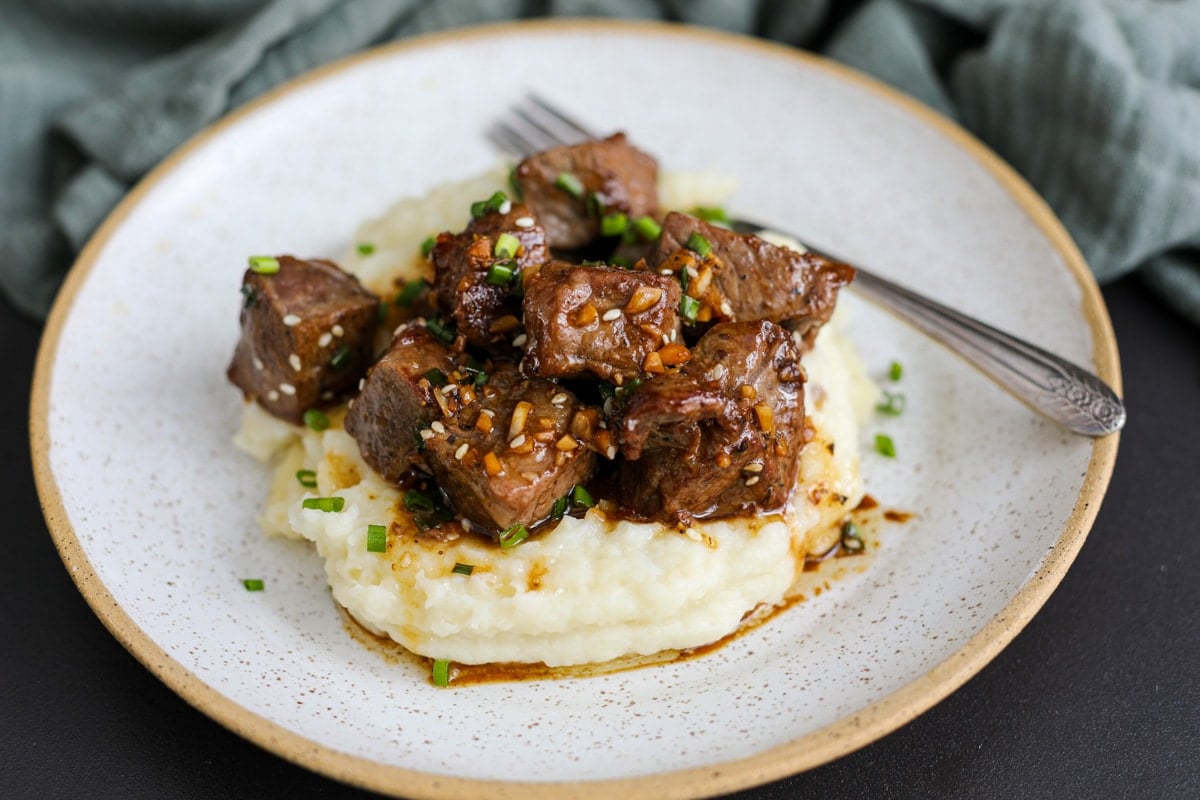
[(1063, 392)]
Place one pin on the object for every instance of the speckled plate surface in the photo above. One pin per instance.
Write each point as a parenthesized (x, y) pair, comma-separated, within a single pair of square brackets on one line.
[(153, 510)]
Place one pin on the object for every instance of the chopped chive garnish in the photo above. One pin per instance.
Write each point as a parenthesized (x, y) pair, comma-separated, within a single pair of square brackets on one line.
[(513, 535), (440, 329), (436, 377), (427, 245), (418, 502), (264, 265), (507, 246), (884, 445), (463, 569), (493, 203), (307, 478), (647, 228), (892, 405), (684, 278), (594, 204), (409, 294), (569, 184), (621, 261), (582, 497), (851, 539), (376, 539), (698, 244), (559, 509), (514, 184), (517, 287), (325, 503), (689, 307), (613, 224), (253, 584), (481, 378), (365, 248), (441, 672), (339, 357), (249, 297), (316, 420), (895, 371), (501, 273), (714, 214)]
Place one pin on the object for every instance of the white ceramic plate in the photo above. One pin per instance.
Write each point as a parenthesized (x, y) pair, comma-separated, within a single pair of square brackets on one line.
[(153, 510)]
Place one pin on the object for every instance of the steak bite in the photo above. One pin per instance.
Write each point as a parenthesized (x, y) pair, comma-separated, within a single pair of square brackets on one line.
[(615, 324), (307, 331), (750, 277), (399, 398), (509, 455), (722, 435), (475, 269), (571, 188)]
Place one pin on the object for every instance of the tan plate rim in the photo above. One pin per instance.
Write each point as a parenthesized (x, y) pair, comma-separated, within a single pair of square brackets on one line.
[(806, 752)]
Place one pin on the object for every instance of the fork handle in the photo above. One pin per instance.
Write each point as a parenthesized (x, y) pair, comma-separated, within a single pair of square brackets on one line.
[(1067, 394)]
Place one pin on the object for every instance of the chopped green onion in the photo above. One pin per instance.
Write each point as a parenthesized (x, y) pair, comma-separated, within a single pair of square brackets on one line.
[(418, 502), (480, 379), (440, 329), (249, 296), (647, 228), (895, 371), (513, 535), (365, 248), (411, 291), (892, 405), (376, 539), (613, 224), (436, 377), (340, 356), (427, 245), (515, 184), (851, 539), (463, 569), (714, 214), (324, 503), (684, 278), (689, 307), (884, 445), (253, 584), (569, 184), (594, 204), (493, 203), (507, 246), (307, 478), (559, 510), (517, 287), (441, 672), (316, 420), (501, 273), (698, 244), (264, 265), (621, 261), (581, 496)]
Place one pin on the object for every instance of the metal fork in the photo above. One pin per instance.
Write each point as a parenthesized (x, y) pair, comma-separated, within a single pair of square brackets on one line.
[(1067, 394)]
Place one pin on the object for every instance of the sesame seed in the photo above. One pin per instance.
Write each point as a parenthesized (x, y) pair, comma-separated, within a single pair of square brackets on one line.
[(752, 481), (466, 523), (611, 452), (294, 360), (754, 466), (611, 314), (325, 339), (426, 434), (272, 395), (726, 309), (530, 476), (523, 222), (692, 534), (666, 337), (691, 271), (291, 320), (559, 398), (258, 364), (519, 340), (437, 426), (517, 441), (361, 383), (287, 388), (461, 451), (505, 207), (487, 411), (338, 330), (665, 272)]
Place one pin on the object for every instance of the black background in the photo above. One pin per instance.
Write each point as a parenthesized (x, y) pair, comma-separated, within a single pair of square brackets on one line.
[(1097, 698)]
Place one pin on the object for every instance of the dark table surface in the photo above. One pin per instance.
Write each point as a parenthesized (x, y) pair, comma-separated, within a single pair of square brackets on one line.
[(1099, 697)]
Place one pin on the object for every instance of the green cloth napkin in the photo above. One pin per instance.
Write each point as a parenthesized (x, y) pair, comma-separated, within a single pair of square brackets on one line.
[(1095, 102)]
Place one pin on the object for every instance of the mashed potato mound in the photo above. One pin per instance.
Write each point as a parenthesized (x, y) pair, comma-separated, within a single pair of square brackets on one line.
[(591, 589)]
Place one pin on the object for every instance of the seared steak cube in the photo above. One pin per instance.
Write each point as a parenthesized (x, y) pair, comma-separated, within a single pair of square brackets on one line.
[(750, 277), (307, 332), (723, 434), (399, 399), (506, 457), (571, 188), (470, 274), (608, 322)]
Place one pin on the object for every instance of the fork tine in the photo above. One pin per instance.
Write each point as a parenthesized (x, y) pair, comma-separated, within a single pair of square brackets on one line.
[(541, 127), (559, 115), (509, 138)]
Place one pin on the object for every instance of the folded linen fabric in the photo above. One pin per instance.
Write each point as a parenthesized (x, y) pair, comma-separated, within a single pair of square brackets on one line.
[(1096, 102)]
